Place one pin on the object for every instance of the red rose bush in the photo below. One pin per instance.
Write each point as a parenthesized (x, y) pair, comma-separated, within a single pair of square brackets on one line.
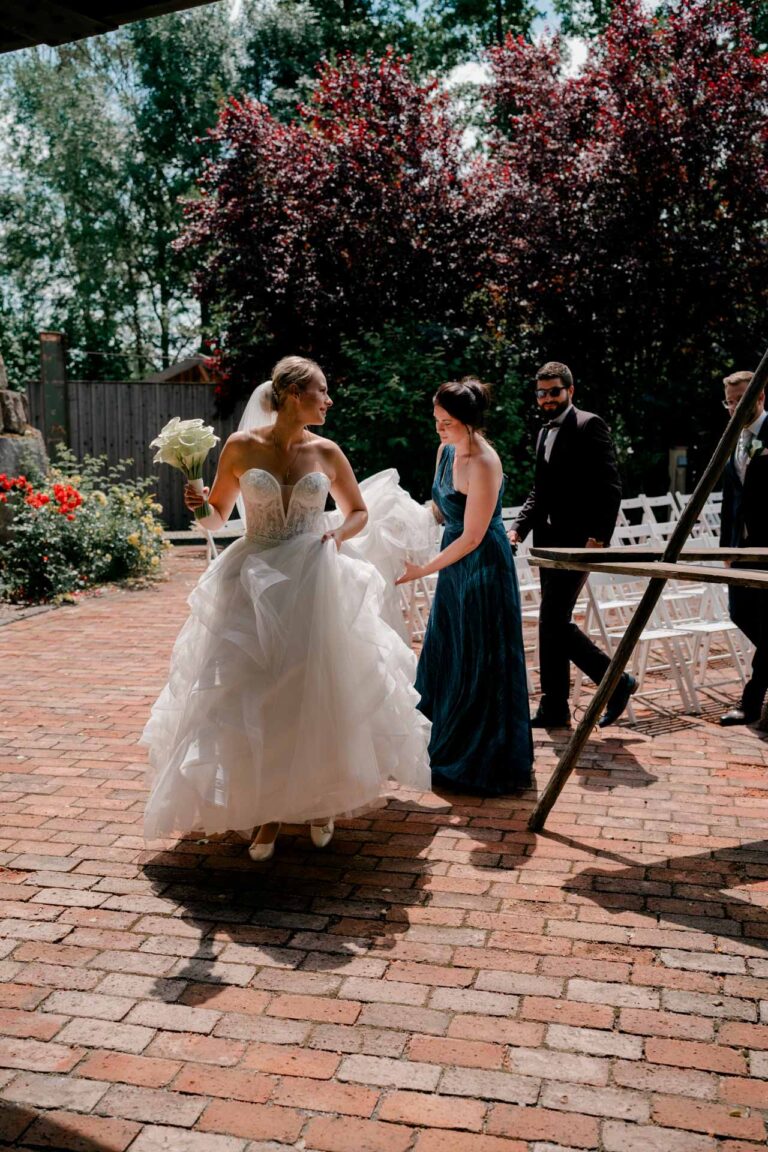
[(73, 529)]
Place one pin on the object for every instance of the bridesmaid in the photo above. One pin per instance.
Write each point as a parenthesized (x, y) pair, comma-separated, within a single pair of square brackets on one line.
[(471, 675)]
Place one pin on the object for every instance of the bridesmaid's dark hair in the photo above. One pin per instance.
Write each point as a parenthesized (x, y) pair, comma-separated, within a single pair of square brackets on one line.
[(466, 400)]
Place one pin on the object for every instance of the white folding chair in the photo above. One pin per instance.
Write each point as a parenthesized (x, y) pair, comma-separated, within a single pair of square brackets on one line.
[(631, 511), (233, 529), (661, 647), (708, 523), (662, 508), (717, 644)]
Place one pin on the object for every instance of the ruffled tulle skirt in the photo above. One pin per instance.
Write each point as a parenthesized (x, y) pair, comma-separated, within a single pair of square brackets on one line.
[(398, 527), (290, 694)]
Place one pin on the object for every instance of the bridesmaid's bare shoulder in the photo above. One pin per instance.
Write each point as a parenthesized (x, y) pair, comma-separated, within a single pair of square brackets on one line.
[(486, 459)]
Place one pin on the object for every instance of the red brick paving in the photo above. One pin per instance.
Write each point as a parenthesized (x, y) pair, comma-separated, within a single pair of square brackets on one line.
[(439, 980)]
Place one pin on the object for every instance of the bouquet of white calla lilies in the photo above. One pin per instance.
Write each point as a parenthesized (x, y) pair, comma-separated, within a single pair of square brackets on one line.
[(185, 444)]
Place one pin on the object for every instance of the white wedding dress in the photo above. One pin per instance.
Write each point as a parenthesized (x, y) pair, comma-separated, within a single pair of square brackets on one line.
[(291, 693)]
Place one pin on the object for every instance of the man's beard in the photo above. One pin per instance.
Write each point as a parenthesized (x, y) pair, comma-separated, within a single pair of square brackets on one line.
[(550, 414)]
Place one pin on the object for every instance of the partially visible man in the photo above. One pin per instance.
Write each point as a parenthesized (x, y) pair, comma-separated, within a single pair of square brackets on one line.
[(744, 524), (574, 503)]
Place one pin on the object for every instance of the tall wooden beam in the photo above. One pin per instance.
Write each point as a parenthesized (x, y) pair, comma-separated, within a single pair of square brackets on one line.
[(54, 392), (644, 610)]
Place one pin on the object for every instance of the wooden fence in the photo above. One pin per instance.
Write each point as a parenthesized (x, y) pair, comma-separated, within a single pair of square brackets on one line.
[(118, 418)]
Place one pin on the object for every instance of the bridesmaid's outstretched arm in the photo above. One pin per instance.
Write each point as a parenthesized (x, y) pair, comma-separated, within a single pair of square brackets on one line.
[(482, 494)]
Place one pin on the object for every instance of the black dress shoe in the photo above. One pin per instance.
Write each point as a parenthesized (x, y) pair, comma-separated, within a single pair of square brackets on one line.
[(736, 716), (618, 701), (544, 720)]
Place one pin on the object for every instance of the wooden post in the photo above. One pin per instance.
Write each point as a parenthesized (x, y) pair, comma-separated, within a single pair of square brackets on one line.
[(55, 420), (644, 610)]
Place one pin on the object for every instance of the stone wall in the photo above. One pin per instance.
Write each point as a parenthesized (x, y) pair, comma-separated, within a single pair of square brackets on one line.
[(13, 412), (22, 453), (21, 446)]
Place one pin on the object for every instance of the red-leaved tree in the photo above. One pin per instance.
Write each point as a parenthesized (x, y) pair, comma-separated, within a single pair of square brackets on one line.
[(349, 218), (629, 216)]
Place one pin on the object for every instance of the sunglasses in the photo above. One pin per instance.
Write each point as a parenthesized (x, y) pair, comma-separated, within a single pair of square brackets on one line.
[(542, 392)]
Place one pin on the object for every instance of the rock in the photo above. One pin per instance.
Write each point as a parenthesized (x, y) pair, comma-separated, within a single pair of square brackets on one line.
[(13, 417), (23, 454), (3, 374)]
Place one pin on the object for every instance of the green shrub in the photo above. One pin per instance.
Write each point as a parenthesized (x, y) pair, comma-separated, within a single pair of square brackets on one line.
[(384, 389)]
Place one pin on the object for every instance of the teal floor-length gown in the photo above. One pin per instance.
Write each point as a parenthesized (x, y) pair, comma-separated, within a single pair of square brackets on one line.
[(471, 674)]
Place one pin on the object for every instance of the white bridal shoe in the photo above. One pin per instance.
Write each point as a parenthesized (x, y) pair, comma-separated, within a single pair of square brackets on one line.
[(321, 834), (261, 850)]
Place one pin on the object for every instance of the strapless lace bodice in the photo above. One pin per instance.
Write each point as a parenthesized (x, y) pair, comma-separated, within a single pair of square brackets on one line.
[(268, 519)]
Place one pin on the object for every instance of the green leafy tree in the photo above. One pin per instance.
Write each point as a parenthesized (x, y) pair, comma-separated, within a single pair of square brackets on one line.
[(285, 40), (384, 382), (103, 139), (63, 214), (462, 28), (183, 68), (590, 17)]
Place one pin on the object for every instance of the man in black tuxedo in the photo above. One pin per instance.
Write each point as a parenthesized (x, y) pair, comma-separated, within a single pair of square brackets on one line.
[(744, 524), (574, 503)]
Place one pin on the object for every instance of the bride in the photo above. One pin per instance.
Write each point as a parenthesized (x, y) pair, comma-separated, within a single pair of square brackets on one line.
[(290, 697)]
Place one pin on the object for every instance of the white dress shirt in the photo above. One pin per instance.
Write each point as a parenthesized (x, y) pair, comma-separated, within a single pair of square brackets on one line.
[(746, 438), (550, 432)]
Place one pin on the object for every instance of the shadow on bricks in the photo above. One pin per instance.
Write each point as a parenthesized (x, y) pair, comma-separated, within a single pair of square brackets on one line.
[(613, 764), (607, 763), (25, 1128), (236, 923), (695, 891)]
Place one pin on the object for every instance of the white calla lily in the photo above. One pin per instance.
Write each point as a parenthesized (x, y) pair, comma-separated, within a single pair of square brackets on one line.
[(184, 444)]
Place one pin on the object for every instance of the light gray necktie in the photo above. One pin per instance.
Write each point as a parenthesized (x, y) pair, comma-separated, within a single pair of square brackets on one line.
[(550, 431), (741, 458)]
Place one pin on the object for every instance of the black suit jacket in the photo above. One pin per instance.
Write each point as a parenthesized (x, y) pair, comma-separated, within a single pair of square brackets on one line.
[(577, 494), (746, 505)]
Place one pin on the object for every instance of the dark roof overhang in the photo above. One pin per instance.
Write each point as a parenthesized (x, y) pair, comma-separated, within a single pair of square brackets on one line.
[(23, 25)]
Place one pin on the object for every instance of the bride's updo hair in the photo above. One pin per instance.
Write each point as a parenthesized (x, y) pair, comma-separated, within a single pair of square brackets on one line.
[(292, 372), (466, 400)]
